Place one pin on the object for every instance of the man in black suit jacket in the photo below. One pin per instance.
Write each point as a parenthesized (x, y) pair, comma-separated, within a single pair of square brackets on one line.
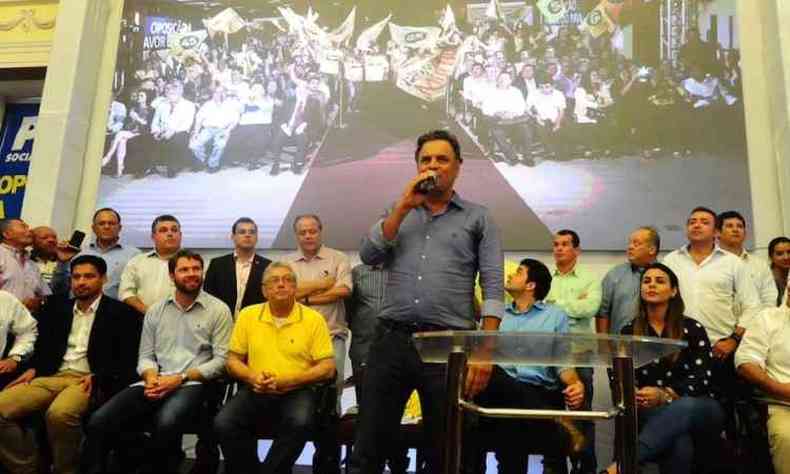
[(240, 271), (227, 276), (85, 345)]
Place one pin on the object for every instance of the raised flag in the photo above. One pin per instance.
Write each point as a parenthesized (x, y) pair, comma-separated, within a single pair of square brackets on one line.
[(597, 22), (227, 21), (368, 37), (342, 34), (552, 10), (423, 37)]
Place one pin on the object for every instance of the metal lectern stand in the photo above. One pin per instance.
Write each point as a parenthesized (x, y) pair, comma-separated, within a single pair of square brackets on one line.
[(620, 353)]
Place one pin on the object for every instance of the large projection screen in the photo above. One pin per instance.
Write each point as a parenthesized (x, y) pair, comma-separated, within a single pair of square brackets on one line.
[(597, 116)]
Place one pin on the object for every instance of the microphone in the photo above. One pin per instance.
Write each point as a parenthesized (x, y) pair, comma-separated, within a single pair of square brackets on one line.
[(426, 185)]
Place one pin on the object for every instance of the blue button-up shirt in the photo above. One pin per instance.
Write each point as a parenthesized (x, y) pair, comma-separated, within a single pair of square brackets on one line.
[(434, 260), (176, 339), (620, 296), (541, 317), (116, 258)]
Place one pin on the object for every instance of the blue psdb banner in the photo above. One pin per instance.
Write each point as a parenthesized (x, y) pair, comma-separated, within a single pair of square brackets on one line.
[(16, 146)]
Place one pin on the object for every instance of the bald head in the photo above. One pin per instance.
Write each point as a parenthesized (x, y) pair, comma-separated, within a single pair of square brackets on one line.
[(45, 241)]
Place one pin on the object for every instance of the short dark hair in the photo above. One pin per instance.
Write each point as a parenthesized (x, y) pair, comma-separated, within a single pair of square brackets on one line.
[(98, 263), (774, 242), (438, 135), (243, 220), (4, 225), (308, 216), (704, 209), (574, 236), (106, 209), (729, 215), (163, 218), (183, 253), (539, 274)]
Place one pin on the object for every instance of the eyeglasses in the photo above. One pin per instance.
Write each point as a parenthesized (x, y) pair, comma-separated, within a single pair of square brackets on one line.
[(289, 279), (247, 232)]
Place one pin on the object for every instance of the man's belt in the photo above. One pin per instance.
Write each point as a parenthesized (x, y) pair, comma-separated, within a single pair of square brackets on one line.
[(412, 327)]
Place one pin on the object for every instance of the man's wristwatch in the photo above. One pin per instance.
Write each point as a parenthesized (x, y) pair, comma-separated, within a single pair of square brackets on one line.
[(735, 337)]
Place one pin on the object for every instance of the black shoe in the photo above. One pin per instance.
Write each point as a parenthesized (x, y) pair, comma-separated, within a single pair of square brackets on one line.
[(170, 173), (275, 170)]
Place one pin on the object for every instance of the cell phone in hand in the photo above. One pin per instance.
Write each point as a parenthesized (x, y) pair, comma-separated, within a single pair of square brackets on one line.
[(76, 239)]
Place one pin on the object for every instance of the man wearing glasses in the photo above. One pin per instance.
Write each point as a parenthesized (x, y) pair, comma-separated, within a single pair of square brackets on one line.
[(279, 350)]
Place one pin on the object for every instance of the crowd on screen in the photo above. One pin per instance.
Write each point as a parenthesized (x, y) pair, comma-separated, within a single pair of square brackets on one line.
[(522, 91), (219, 106), (555, 91), (107, 340)]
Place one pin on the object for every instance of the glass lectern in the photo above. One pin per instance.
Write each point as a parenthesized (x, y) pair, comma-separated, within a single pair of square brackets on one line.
[(620, 353)]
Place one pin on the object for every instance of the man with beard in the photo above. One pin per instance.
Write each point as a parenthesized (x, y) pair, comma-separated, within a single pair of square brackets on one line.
[(146, 279), (45, 252), (85, 345), (183, 345)]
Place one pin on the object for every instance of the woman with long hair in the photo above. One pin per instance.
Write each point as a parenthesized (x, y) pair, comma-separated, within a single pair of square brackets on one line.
[(779, 253), (676, 400), (137, 123)]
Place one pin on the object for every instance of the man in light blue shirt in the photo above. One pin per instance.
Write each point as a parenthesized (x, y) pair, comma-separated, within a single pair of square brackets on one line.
[(621, 285), (521, 386), (107, 229), (184, 344)]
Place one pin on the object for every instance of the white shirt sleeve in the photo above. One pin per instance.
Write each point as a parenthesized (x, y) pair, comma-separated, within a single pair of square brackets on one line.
[(128, 287), (756, 341), (746, 295), (24, 328)]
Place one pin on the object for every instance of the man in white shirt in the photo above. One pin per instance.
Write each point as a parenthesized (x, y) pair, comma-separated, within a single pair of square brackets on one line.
[(19, 274), (505, 110), (476, 86), (712, 282), (213, 124), (763, 359), (731, 229), (15, 320), (547, 106), (170, 131), (146, 279)]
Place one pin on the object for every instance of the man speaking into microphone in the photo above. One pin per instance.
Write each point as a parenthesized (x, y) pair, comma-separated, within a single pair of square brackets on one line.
[(435, 243)]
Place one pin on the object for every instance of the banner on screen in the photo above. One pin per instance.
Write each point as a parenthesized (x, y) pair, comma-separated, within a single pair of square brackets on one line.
[(16, 147)]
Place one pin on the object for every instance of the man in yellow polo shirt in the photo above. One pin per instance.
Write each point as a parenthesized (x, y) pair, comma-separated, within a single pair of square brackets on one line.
[(278, 351)]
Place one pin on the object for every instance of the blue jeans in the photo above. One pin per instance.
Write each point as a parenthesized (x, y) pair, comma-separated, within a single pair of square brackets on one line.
[(237, 422), (668, 433), (131, 410), (217, 139)]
